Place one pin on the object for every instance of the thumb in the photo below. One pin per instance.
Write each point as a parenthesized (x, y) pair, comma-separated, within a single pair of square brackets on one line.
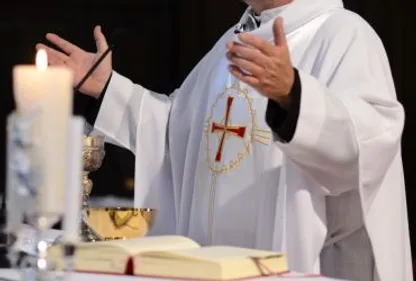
[(279, 32), (100, 40)]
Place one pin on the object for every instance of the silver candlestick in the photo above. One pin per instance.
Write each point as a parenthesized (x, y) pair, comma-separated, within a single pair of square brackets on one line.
[(25, 177), (93, 155)]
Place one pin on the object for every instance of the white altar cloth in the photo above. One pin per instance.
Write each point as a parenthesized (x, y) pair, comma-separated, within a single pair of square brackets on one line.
[(13, 275)]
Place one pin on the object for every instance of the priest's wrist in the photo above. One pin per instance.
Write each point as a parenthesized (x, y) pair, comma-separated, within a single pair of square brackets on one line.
[(285, 100), (104, 85), (101, 86)]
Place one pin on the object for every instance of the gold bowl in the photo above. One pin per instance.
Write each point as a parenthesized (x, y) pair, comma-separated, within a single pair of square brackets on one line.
[(119, 223)]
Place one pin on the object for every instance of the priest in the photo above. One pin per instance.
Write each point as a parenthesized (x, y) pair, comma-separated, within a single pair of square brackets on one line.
[(286, 136)]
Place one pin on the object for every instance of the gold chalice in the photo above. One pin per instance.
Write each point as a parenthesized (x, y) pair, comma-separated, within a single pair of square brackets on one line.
[(118, 223)]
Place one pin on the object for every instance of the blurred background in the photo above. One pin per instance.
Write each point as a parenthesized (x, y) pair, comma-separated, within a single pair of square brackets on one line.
[(159, 42)]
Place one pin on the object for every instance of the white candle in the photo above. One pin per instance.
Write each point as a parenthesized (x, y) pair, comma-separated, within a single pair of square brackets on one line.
[(73, 187), (49, 91)]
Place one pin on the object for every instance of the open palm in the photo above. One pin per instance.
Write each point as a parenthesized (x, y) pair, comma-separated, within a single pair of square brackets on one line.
[(81, 61)]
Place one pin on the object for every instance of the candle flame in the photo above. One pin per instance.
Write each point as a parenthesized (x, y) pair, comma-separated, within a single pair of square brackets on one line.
[(42, 59)]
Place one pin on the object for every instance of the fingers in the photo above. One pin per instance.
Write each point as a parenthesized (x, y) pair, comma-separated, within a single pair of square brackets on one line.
[(279, 32), (245, 65), (56, 62), (54, 57), (61, 43), (247, 53), (258, 43), (100, 40), (239, 74)]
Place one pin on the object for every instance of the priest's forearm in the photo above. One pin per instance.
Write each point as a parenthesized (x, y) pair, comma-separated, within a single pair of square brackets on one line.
[(334, 131), (118, 112), (94, 106), (349, 120)]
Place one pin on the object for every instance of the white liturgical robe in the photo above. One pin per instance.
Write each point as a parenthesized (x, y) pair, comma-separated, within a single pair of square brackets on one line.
[(209, 163)]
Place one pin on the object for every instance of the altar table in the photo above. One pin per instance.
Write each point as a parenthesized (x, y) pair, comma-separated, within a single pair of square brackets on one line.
[(12, 275)]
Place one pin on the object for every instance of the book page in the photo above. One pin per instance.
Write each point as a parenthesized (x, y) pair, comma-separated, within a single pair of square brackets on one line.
[(214, 253), (153, 243)]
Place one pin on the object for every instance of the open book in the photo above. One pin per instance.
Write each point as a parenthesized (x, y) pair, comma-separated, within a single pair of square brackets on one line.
[(176, 257)]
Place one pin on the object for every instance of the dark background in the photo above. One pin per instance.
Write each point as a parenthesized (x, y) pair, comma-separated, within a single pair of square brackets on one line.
[(158, 43)]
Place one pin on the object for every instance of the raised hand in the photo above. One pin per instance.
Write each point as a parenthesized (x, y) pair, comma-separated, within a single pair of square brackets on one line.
[(265, 66), (81, 61)]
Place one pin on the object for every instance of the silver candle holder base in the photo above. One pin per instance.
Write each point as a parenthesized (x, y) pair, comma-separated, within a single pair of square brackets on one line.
[(39, 267)]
